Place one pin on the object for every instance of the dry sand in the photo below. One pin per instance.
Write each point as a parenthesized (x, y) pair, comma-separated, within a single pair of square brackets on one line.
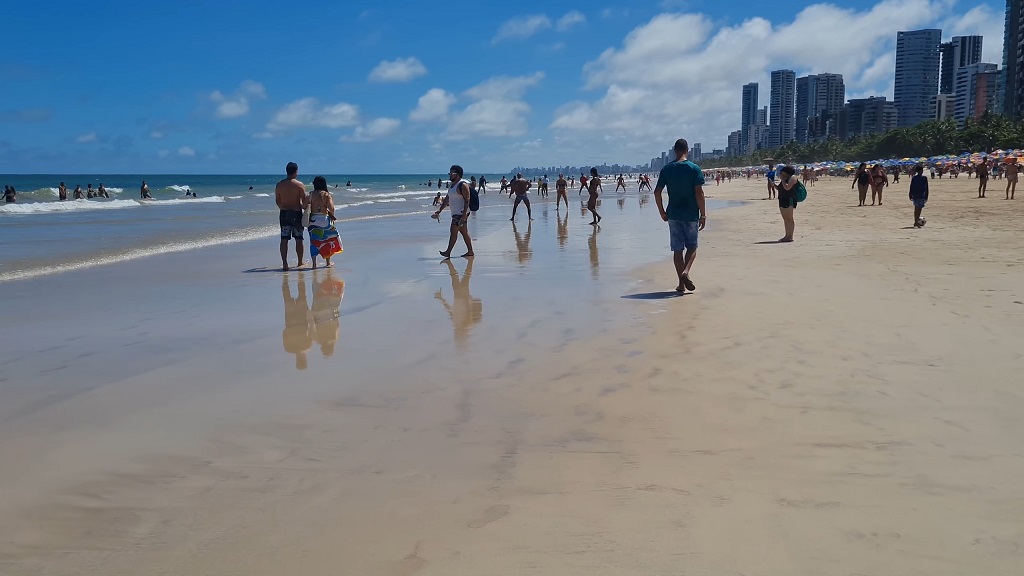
[(850, 403)]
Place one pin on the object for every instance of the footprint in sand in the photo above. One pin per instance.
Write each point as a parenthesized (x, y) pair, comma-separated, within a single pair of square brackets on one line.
[(492, 514)]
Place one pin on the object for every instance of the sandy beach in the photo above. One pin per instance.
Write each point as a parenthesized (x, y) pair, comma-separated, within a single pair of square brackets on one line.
[(850, 403)]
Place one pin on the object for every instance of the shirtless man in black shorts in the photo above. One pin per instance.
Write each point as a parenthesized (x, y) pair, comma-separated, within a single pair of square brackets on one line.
[(519, 186), (291, 198), (560, 186)]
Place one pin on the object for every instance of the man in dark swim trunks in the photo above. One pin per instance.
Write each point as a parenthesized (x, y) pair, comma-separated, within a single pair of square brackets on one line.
[(982, 172), (519, 187), (291, 198)]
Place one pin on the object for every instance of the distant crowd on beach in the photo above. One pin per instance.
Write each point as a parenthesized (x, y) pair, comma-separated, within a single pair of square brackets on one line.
[(685, 211)]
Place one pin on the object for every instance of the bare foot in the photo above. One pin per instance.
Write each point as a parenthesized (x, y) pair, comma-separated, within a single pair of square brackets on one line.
[(284, 266), (468, 255), (446, 255)]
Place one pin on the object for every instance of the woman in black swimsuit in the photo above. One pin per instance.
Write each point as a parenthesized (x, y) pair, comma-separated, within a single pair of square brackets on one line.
[(862, 180), (787, 200)]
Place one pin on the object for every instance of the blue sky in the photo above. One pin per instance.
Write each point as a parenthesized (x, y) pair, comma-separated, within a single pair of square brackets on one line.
[(406, 87)]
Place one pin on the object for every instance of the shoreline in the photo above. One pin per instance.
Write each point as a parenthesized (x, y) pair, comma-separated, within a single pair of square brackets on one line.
[(845, 403)]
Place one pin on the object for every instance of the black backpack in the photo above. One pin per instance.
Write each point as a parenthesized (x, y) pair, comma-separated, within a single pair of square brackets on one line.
[(474, 199)]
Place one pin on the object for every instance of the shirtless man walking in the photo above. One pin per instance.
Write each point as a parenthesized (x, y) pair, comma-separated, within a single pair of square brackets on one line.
[(982, 172), (1011, 180), (291, 198), (519, 186), (620, 182), (560, 186)]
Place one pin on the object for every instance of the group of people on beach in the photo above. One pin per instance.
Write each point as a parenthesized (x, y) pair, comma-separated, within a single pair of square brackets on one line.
[(685, 212), (78, 194)]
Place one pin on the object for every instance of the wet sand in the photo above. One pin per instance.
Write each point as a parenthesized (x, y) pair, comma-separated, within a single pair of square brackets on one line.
[(846, 404)]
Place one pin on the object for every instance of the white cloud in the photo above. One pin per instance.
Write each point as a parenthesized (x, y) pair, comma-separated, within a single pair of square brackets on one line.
[(504, 87), (398, 70), (86, 138), (308, 113), (238, 104), (186, 151), (156, 135), (981, 20), (163, 153), (659, 86), (569, 20), (498, 108), (265, 135), (432, 106), (374, 129), (521, 28), (490, 118)]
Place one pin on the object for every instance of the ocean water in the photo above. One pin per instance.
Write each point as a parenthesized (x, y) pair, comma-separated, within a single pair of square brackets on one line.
[(41, 235)]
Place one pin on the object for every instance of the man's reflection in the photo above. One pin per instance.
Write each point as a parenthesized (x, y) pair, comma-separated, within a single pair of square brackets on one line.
[(523, 242), (563, 230), (592, 244), (465, 310), (297, 336), (328, 291), (644, 198), (621, 202)]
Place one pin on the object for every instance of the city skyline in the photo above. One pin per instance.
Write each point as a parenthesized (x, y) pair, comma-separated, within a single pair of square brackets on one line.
[(531, 83)]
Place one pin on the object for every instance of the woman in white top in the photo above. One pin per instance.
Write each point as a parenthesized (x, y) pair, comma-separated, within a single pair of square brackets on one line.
[(458, 199)]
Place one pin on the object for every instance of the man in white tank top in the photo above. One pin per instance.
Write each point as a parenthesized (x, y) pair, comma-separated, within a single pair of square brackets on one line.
[(458, 198)]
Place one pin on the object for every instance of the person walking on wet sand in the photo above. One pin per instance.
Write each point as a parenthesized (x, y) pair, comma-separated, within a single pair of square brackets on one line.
[(458, 199), (686, 215), (290, 195), (593, 186), (560, 186), (520, 186)]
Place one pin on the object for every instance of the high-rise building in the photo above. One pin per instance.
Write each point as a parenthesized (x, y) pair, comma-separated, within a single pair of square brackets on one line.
[(695, 153), (733, 146), (757, 138), (860, 116), (748, 112), (819, 97), (959, 52), (806, 97), (966, 87), (762, 117), (1012, 89), (781, 116), (917, 74), (942, 106)]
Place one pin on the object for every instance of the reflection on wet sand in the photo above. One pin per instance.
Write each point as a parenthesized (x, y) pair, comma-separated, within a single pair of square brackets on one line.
[(304, 324), (297, 337), (465, 310), (563, 230), (592, 244), (644, 199), (621, 201), (523, 242), (328, 292)]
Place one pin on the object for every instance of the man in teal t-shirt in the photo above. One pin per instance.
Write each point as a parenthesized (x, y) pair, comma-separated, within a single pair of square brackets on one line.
[(685, 215)]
